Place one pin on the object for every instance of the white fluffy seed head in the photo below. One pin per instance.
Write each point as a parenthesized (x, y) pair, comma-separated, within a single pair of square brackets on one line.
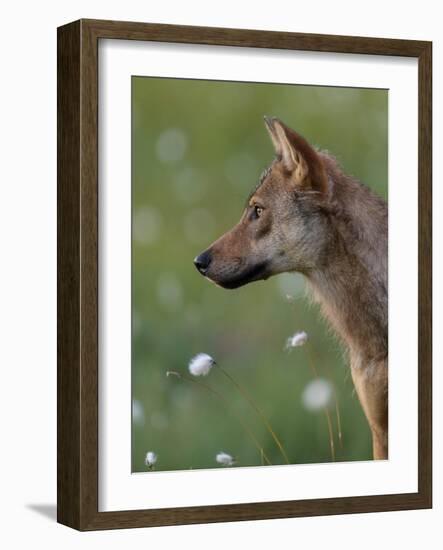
[(297, 339), (224, 459), (150, 459), (317, 394), (201, 364)]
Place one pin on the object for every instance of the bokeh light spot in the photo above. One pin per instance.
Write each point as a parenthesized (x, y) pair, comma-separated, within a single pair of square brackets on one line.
[(317, 394), (169, 292), (146, 225), (171, 145)]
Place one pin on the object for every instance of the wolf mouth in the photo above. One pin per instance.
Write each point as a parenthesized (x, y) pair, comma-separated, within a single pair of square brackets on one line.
[(255, 273)]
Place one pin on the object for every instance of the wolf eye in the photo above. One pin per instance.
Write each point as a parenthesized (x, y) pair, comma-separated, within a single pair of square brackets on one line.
[(258, 211)]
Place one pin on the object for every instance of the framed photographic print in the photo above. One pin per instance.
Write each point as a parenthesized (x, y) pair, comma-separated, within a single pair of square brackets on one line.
[(244, 274)]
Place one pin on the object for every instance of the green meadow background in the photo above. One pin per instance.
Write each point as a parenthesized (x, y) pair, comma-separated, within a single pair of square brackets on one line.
[(198, 149)]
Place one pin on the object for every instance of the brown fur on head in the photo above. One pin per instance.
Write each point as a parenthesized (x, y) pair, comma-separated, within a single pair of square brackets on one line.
[(284, 226)]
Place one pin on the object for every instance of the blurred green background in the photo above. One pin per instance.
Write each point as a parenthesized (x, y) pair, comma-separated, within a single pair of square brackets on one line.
[(198, 149)]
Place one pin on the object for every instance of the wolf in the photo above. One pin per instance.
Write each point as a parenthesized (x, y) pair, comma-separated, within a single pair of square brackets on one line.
[(306, 215)]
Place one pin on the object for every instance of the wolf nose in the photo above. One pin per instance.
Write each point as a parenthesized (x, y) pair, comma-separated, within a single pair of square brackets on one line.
[(202, 262)]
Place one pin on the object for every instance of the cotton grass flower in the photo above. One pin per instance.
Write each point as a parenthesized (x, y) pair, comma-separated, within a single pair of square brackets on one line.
[(317, 394), (224, 459), (150, 459), (201, 364), (296, 340)]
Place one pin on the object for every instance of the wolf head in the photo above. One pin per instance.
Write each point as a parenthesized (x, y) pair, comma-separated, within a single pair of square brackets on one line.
[(284, 226)]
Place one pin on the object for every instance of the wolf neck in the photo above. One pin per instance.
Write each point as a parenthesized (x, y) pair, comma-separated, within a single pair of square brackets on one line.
[(351, 283)]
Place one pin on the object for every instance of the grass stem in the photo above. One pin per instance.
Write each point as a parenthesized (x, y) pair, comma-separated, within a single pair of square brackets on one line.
[(249, 399), (328, 416), (223, 400), (337, 407)]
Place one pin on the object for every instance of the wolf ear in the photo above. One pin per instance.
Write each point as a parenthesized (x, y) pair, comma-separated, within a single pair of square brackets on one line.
[(298, 157)]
